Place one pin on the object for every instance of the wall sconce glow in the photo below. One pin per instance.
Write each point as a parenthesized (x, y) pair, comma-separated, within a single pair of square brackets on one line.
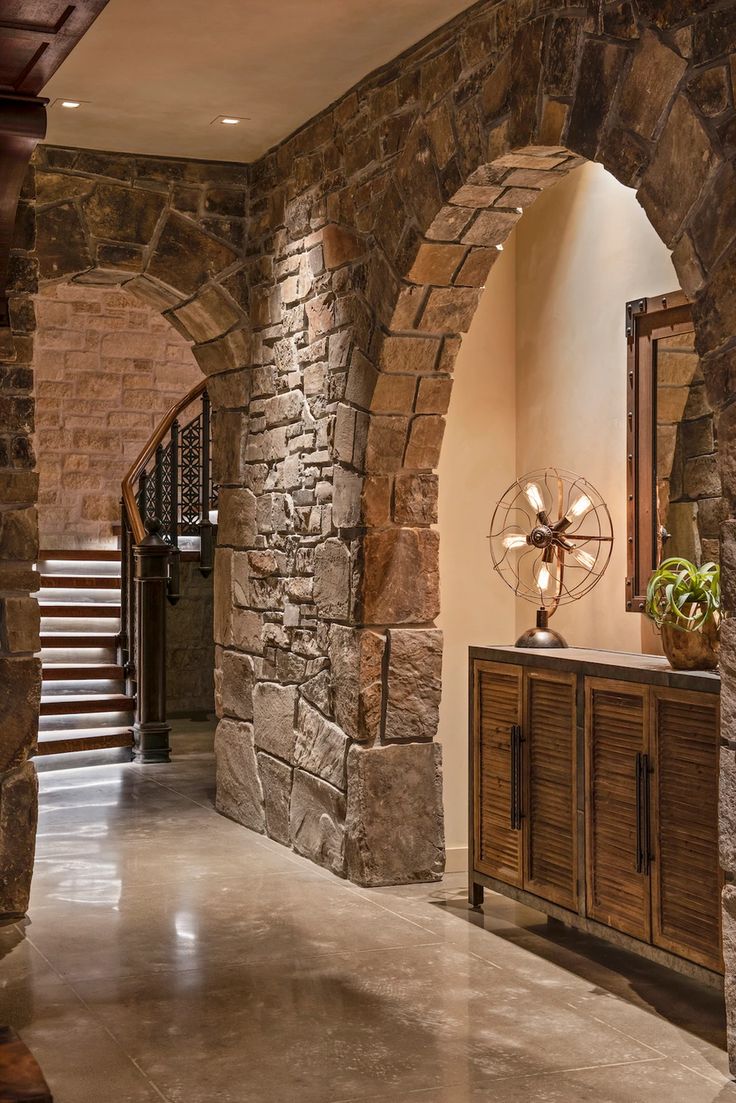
[(72, 105), (229, 122)]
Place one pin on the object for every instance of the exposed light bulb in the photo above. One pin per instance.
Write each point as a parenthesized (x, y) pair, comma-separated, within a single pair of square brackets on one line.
[(544, 577), (71, 104), (534, 496), (516, 540), (578, 507), (584, 558)]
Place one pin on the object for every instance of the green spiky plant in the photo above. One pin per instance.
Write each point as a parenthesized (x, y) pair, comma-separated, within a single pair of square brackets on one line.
[(683, 595)]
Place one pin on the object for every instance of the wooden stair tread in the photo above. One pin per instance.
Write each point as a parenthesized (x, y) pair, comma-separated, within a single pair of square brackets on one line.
[(92, 554), (80, 581), (81, 671), (85, 702), (78, 639), (82, 739), (91, 609)]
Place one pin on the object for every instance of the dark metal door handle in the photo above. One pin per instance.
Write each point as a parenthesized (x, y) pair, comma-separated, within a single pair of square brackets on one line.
[(646, 818), (639, 859), (512, 751), (516, 771)]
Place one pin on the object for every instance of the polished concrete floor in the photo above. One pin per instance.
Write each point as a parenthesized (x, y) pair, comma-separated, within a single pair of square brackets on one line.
[(173, 955)]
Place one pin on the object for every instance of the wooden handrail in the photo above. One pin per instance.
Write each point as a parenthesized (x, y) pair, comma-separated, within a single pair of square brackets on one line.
[(129, 481)]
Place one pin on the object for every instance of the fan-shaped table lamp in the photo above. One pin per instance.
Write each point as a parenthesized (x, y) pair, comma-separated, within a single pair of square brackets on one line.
[(551, 540)]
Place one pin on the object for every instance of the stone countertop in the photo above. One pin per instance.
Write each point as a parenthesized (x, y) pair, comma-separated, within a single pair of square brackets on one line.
[(627, 666)]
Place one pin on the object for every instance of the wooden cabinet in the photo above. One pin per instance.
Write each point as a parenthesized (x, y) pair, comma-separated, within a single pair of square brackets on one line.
[(594, 795), (525, 771)]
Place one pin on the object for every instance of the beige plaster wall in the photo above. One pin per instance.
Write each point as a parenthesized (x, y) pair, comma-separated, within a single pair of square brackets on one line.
[(540, 380), (584, 249), (478, 461)]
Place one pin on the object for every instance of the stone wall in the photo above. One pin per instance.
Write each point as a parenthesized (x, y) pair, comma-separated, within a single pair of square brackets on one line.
[(330, 337), (190, 648), (107, 367), (20, 672)]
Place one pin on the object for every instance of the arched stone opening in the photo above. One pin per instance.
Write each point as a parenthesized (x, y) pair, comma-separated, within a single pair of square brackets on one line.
[(564, 92), (159, 232)]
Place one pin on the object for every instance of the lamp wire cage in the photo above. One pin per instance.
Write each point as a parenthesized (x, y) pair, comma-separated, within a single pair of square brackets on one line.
[(551, 539)]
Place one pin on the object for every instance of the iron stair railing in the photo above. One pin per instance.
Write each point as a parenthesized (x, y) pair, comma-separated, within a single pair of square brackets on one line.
[(167, 498)]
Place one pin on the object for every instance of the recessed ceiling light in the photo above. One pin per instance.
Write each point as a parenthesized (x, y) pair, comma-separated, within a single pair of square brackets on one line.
[(71, 104), (228, 120)]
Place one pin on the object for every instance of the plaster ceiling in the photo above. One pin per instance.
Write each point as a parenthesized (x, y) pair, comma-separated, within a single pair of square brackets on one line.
[(153, 74)]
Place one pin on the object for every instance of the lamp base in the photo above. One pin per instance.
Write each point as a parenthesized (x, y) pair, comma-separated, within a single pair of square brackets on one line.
[(542, 635)]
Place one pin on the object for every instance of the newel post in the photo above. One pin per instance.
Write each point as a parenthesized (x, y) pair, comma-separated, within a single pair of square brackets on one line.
[(150, 730)]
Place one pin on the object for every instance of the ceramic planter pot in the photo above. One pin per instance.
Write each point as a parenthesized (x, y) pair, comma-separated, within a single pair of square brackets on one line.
[(691, 650)]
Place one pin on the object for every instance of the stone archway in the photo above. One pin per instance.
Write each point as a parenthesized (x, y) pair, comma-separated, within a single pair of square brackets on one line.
[(565, 91), (369, 234)]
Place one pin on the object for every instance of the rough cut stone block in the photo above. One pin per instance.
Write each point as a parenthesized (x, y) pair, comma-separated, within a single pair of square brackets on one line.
[(356, 658), (650, 84), (20, 696), (19, 624), (450, 309), (276, 781), (340, 246), (415, 499), (185, 258), (346, 496), (236, 517), (19, 534), (18, 487), (18, 819), (229, 430), (239, 795), (225, 353), (317, 821), (395, 829), (728, 934), (678, 171), (208, 315), (401, 576), (321, 746), (332, 579), (274, 711), (414, 684), (600, 68), (123, 214), (61, 242), (234, 685), (425, 441)]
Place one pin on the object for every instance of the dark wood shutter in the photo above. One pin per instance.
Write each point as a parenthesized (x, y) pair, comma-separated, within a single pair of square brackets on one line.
[(550, 759), (686, 880), (498, 701), (616, 727)]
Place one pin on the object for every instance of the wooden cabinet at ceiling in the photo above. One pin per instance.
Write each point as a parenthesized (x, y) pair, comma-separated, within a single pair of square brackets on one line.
[(594, 796)]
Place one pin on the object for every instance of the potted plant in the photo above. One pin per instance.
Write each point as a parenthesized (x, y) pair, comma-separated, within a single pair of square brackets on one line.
[(684, 601)]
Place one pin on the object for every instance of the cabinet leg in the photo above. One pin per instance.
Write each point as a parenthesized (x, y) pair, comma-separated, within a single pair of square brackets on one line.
[(475, 894)]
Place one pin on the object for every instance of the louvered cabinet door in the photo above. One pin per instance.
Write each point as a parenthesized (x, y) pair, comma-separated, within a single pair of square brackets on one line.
[(497, 692), (616, 738), (550, 788), (686, 879)]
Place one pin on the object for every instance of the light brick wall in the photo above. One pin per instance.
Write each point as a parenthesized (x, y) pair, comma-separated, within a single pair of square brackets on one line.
[(107, 367)]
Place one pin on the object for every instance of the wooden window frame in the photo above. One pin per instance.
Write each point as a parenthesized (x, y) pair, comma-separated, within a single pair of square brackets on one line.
[(647, 320)]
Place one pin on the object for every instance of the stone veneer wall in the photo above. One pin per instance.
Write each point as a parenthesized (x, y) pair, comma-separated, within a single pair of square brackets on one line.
[(107, 368), (330, 336)]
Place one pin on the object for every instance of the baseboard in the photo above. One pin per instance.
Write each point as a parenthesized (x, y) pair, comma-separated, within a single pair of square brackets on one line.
[(457, 859)]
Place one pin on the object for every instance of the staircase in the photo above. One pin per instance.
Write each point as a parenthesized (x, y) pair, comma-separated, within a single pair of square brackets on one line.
[(83, 701)]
